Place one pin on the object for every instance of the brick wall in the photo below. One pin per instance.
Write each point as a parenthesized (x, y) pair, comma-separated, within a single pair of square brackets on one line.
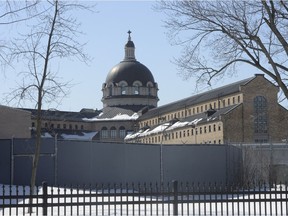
[(14, 123)]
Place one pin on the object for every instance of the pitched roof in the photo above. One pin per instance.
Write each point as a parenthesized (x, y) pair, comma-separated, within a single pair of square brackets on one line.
[(53, 114), (198, 119), (196, 99)]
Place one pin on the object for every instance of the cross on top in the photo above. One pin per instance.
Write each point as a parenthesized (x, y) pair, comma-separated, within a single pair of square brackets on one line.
[(129, 37)]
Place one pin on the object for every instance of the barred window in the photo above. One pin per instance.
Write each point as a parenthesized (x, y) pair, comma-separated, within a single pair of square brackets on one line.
[(104, 132), (122, 132), (260, 115), (113, 132)]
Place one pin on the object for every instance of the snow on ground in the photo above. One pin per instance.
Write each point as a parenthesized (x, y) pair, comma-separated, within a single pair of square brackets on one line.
[(249, 207)]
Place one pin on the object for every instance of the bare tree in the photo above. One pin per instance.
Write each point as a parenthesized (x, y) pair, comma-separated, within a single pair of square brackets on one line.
[(52, 35), (13, 12), (218, 35)]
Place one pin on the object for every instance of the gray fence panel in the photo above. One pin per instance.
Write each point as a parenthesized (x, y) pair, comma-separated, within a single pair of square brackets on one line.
[(5, 161), (27, 146), (79, 162), (195, 163), (142, 163)]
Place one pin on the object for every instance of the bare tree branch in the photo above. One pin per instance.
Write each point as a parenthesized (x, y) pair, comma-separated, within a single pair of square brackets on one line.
[(218, 35)]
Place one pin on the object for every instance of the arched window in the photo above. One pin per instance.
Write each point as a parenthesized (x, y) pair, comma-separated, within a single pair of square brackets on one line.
[(110, 90), (122, 132), (260, 115), (123, 87), (136, 87), (104, 132), (149, 87), (123, 90), (113, 132)]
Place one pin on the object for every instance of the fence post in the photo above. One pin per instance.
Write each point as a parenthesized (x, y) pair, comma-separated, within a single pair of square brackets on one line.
[(175, 198), (45, 198)]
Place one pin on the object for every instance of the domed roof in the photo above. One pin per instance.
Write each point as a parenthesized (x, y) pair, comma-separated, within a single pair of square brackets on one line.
[(130, 71)]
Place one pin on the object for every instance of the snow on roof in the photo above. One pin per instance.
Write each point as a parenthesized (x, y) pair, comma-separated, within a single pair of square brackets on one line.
[(167, 126), (118, 117), (86, 136), (46, 135)]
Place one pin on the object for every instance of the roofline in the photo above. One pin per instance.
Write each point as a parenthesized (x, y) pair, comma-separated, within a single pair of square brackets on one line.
[(200, 94)]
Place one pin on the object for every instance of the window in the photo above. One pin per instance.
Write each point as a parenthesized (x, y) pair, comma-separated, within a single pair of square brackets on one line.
[(64, 126), (113, 132), (76, 127), (110, 90), (122, 132), (58, 126), (149, 90), (82, 127), (209, 128), (104, 133), (219, 127), (260, 115), (136, 87), (123, 87)]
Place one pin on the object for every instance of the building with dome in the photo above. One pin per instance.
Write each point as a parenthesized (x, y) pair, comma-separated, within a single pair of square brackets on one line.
[(130, 84), (129, 91), (246, 111)]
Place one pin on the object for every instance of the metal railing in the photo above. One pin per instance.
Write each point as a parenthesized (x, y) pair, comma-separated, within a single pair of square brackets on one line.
[(146, 199)]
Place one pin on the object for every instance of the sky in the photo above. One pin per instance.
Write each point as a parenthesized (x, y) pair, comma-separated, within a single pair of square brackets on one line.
[(105, 32)]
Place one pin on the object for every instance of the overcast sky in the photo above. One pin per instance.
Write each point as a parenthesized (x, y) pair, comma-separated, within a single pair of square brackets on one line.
[(106, 34)]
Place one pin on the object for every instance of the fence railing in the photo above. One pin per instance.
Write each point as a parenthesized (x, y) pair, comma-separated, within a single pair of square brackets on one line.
[(146, 199)]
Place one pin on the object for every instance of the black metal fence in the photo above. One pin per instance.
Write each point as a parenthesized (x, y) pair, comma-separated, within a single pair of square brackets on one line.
[(146, 199)]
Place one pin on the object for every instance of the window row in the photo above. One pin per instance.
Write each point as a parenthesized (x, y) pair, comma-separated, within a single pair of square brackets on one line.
[(194, 110), (184, 133), (49, 125), (113, 132)]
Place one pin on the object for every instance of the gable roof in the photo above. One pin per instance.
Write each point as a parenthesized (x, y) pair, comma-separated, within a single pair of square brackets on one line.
[(196, 99), (198, 119)]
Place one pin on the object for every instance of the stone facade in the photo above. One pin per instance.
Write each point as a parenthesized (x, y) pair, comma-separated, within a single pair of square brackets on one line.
[(242, 112), (14, 123)]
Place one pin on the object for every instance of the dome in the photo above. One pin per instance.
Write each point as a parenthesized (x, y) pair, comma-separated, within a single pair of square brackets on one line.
[(130, 84), (130, 71)]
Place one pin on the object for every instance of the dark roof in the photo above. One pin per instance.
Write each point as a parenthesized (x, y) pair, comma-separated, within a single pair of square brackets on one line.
[(130, 71), (198, 119), (130, 44), (53, 114), (199, 98), (212, 117), (110, 112)]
